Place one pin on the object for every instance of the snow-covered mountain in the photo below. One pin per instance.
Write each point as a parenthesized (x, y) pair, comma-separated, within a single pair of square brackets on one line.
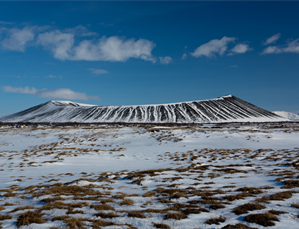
[(289, 115), (223, 109)]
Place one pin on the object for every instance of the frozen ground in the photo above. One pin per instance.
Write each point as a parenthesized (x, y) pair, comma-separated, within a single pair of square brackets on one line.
[(149, 177)]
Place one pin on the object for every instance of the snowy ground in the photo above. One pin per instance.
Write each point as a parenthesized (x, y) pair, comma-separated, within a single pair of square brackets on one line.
[(145, 177)]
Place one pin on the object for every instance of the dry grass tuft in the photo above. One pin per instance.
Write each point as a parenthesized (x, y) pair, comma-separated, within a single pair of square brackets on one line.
[(61, 217), (148, 194), (71, 211), (150, 210), (274, 212), (175, 215), (75, 190), (107, 200), (281, 195), (248, 207), (22, 208), (108, 215), (250, 190), (62, 205), (102, 207), (127, 202), (192, 210), (233, 197), (100, 223), (137, 214), (264, 219), (50, 200), (291, 184), (74, 222), (216, 205), (161, 225), (295, 205), (214, 220), (237, 226), (4, 217), (263, 199), (30, 217)]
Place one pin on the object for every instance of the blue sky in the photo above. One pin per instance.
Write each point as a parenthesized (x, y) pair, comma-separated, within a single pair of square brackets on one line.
[(129, 53)]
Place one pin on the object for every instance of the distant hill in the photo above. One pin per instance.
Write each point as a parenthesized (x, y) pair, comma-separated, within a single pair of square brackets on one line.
[(223, 109), (289, 115)]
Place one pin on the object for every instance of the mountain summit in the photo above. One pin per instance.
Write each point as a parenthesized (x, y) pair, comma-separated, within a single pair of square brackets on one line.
[(223, 109)]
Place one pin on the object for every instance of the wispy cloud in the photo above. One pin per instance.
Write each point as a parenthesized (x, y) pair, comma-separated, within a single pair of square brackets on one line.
[(290, 47), (51, 76), (60, 44), (23, 90), (60, 93), (113, 48), (184, 56), (213, 47), (16, 39), (69, 44), (98, 71), (272, 39), (5, 23), (240, 49), (165, 60)]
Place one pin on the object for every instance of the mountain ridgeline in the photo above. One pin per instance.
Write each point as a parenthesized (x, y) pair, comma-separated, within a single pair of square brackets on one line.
[(223, 109)]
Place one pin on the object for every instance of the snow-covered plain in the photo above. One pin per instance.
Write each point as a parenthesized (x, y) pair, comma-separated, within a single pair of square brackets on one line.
[(149, 177)]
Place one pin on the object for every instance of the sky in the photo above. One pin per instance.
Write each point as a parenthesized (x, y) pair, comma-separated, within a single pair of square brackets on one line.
[(135, 53)]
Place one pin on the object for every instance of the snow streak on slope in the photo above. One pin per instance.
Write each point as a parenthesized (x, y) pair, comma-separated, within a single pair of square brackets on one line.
[(288, 115), (223, 109)]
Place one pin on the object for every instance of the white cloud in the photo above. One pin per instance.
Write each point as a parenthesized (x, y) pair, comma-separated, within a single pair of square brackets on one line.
[(240, 49), (63, 93), (60, 93), (51, 76), (16, 39), (112, 48), (184, 56), (213, 47), (290, 47), (25, 90), (272, 39), (59, 43), (165, 60), (98, 71), (63, 44)]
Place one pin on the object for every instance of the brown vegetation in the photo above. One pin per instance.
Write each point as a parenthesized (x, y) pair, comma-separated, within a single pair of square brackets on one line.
[(108, 215), (264, 219), (215, 220), (102, 207), (30, 217), (248, 207), (175, 215), (137, 214), (237, 226), (161, 225), (127, 202)]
